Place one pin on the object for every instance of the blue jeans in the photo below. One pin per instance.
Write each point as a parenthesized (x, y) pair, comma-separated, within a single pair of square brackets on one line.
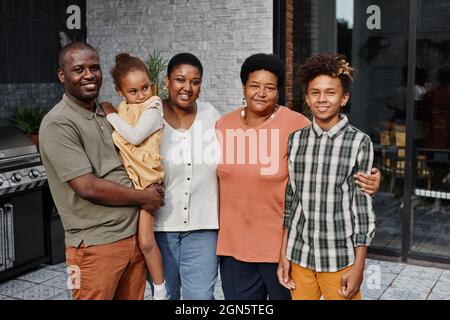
[(190, 262)]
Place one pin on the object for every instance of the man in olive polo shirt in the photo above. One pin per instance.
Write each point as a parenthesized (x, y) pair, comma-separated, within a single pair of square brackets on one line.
[(91, 189)]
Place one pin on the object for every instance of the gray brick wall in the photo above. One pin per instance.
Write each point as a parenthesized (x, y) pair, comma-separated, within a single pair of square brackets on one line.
[(221, 33), (45, 95)]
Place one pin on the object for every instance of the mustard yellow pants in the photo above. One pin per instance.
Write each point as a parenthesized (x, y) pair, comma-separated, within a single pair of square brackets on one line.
[(311, 285)]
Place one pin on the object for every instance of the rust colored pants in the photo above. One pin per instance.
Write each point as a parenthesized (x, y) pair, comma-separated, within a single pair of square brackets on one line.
[(311, 285), (113, 271)]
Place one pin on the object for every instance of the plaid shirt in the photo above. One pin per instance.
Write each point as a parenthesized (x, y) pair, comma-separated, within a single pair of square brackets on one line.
[(326, 213)]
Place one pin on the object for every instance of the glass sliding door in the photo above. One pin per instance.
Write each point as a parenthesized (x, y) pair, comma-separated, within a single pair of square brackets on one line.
[(375, 39), (373, 34), (431, 181), (401, 98)]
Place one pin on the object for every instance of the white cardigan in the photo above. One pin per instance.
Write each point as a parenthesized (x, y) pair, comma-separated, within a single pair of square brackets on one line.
[(190, 160)]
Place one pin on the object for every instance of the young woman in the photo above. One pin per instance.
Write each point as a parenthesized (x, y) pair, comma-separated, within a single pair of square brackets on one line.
[(186, 226)]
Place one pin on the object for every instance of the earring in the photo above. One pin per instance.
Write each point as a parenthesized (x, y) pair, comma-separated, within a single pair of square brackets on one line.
[(244, 104)]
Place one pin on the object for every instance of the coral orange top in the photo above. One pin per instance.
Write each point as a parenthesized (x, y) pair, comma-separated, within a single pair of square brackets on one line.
[(253, 174)]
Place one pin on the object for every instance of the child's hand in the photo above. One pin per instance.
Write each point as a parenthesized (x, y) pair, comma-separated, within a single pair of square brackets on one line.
[(369, 183), (283, 273), (107, 107), (351, 282)]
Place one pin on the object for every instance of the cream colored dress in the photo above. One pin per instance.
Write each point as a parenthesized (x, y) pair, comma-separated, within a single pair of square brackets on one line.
[(143, 162)]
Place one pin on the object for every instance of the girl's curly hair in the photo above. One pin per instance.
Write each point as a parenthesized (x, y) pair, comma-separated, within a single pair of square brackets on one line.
[(124, 64), (332, 64)]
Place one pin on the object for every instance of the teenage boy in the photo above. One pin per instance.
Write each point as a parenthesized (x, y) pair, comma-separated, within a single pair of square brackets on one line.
[(329, 222)]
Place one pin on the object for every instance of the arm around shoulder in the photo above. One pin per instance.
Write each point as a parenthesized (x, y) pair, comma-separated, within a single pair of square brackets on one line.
[(363, 213)]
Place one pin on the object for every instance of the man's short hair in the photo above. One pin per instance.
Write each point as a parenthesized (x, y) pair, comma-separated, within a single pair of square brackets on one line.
[(73, 46)]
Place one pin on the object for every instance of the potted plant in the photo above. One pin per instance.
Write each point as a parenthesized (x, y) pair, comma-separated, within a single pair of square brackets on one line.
[(28, 119), (156, 64)]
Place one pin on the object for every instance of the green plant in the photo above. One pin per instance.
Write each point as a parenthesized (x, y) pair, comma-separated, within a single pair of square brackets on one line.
[(156, 64), (28, 118)]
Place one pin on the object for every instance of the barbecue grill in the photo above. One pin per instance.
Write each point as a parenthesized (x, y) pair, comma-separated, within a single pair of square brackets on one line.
[(22, 179)]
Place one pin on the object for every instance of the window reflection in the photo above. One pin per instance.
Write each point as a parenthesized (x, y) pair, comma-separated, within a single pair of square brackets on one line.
[(431, 199), (378, 106)]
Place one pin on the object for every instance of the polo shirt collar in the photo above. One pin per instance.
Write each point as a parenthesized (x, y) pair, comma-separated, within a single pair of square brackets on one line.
[(336, 130), (83, 111)]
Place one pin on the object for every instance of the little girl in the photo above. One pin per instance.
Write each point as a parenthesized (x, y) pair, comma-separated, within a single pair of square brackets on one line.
[(138, 134)]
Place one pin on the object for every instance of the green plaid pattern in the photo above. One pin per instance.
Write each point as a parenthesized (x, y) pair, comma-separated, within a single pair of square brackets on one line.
[(326, 213)]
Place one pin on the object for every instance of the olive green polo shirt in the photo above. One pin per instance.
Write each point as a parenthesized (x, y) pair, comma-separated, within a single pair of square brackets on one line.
[(75, 141)]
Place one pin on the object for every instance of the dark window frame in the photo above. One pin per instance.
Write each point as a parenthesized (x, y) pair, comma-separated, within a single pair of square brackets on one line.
[(405, 253)]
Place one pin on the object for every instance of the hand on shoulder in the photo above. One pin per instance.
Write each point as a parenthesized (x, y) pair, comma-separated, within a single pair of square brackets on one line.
[(107, 107)]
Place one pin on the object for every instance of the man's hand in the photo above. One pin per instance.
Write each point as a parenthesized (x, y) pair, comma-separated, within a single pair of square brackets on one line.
[(161, 191), (105, 192), (283, 273), (107, 107), (351, 282), (369, 183), (153, 198)]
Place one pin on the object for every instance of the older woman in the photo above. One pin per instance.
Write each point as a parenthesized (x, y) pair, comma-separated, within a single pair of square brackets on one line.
[(186, 226), (253, 175)]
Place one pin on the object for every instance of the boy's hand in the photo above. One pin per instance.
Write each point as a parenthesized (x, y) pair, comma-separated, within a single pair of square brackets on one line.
[(351, 282), (107, 107), (369, 183), (283, 273)]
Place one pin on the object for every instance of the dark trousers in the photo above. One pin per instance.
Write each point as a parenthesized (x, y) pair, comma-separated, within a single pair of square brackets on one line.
[(251, 280)]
